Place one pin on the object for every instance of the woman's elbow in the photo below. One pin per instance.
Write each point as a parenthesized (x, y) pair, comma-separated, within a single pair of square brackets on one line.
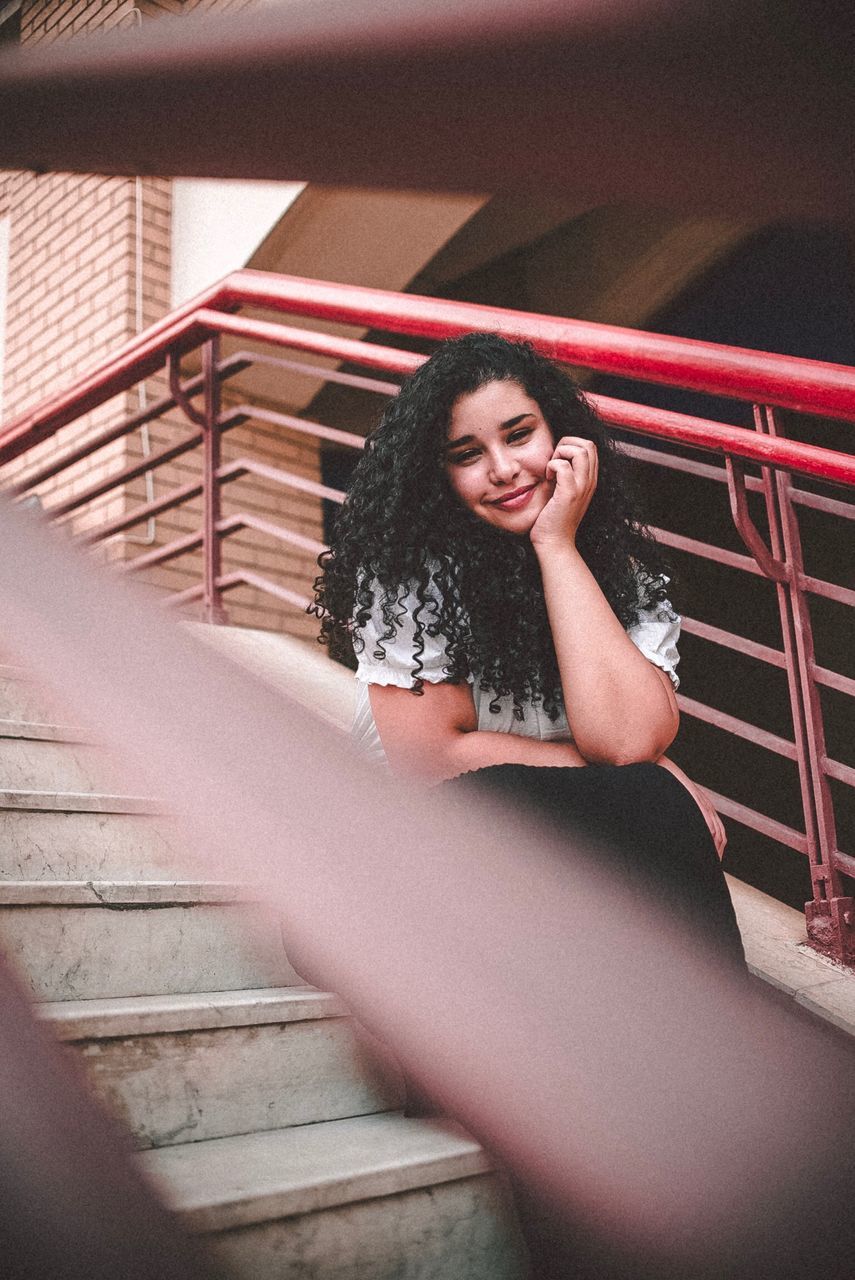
[(653, 745), (428, 763), (639, 754), (639, 748)]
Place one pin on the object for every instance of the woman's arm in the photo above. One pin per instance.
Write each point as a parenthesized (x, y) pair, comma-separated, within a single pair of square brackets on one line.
[(621, 709), (436, 736)]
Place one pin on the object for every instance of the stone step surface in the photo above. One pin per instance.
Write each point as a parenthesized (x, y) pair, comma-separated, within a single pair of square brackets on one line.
[(82, 835), (56, 801), (21, 697), (42, 731), (91, 940), (192, 1067), (62, 844), (372, 1198), (298, 668), (47, 757)]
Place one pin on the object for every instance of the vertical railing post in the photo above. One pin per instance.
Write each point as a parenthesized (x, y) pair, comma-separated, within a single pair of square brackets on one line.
[(213, 610), (830, 915)]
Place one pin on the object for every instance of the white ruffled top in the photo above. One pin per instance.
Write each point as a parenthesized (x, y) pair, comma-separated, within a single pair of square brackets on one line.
[(655, 635)]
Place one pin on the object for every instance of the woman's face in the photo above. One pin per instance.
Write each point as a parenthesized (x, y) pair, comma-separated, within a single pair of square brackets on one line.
[(498, 446)]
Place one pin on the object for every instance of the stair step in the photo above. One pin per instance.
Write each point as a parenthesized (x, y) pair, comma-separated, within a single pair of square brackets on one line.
[(21, 697), (37, 731), (251, 1178), (91, 940), (191, 1068), (192, 1011), (83, 836), (373, 1197), (37, 757), (58, 800), (120, 894)]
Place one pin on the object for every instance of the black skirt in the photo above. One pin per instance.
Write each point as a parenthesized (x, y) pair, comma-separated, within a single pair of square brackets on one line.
[(647, 829)]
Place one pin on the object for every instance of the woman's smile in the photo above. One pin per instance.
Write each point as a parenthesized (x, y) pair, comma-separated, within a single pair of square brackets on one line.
[(515, 500), (499, 444)]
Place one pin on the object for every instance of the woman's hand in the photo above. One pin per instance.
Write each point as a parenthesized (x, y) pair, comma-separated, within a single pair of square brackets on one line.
[(573, 471), (702, 800)]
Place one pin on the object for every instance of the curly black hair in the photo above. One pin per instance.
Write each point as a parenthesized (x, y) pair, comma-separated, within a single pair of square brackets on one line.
[(403, 530)]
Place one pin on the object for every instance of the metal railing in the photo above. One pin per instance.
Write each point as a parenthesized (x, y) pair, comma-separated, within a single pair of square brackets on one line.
[(788, 475)]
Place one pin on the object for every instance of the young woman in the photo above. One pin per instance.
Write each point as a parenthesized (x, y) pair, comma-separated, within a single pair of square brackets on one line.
[(508, 615)]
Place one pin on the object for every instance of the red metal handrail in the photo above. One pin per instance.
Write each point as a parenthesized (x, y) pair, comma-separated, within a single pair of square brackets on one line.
[(764, 380), (808, 386)]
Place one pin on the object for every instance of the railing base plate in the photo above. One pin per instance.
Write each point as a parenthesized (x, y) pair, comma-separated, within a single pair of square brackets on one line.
[(831, 928)]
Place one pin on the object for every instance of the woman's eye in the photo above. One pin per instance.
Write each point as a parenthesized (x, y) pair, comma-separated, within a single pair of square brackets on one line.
[(466, 456), (517, 436)]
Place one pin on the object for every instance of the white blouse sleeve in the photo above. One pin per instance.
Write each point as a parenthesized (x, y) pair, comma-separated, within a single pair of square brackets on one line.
[(656, 634), (400, 661)]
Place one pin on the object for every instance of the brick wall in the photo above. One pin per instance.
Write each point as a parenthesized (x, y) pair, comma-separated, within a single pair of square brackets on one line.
[(68, 300), (89, 264)]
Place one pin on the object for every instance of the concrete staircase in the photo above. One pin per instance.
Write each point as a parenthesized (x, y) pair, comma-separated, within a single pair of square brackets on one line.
[(270, 1120)]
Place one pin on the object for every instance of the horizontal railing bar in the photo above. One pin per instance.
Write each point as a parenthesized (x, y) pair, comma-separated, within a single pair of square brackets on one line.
[(249, 579), (231, 471), (248, 466), (136, 360), (759, 377), (370, 354), (159, 555), (88, 447), (238, 579), (305, 426), (696, 432), (719, 437), (819, 502), (759, 822), (706, 471), (733, 559), (172, 499), (151, 463), (190, 388), (177, 598), (729, 640), (674, 462), (833, 680), (828, 590), (791, 382), (836, 769), (844, 862), (228, 525), (318, 371), (245, 520), (740, 728)]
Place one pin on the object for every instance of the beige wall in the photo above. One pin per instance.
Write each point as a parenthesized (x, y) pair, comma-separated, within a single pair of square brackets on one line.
[(218, 225)]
